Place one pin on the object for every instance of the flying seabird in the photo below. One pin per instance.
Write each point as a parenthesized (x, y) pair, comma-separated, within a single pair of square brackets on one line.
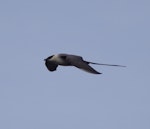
[(53, 61)]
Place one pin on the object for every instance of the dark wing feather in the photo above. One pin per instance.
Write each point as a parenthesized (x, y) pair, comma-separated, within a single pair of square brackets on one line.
[(78, 62), (51, 66)]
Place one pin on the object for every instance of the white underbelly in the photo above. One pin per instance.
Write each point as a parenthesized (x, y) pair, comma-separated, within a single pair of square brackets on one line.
[(59, 60)]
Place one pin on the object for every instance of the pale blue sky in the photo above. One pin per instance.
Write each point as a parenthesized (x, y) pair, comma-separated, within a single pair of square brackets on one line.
[(104, 31)]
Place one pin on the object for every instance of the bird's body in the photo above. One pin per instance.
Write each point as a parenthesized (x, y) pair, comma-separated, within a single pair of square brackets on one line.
[(53, 61)]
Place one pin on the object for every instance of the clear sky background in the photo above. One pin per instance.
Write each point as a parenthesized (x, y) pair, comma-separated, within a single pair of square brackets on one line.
[(104, 31)]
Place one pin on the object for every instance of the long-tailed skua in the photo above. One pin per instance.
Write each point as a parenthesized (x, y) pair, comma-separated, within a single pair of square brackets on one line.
[(52, 62)]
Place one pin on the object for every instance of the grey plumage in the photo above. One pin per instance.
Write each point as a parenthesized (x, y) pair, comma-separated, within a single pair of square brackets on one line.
[(53, 61)]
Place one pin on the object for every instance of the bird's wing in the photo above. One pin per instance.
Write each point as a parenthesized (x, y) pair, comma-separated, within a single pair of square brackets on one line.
[(51, 66), (78, 62)]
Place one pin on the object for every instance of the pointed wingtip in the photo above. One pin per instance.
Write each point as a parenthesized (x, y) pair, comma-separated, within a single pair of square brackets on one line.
[(97, 73)]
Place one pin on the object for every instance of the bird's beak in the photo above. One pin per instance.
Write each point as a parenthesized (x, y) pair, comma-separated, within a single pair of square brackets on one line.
[(44, 59)]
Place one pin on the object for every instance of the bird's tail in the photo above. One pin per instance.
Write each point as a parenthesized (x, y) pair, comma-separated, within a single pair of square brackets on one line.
[(105, 64)]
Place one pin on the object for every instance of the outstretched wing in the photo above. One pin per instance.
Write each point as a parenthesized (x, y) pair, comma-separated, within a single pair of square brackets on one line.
[(78, 62), (51, 66)]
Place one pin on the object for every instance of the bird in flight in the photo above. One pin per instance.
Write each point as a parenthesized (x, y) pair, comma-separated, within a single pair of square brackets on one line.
[(53, 61)]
